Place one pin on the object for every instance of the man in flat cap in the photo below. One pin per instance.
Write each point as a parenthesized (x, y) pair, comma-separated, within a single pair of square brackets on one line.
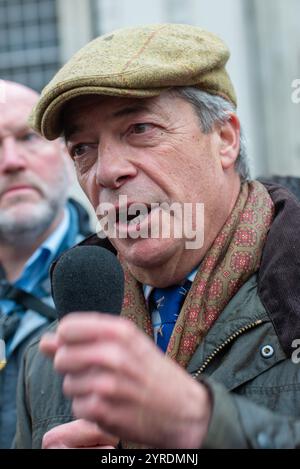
[(202, 355)]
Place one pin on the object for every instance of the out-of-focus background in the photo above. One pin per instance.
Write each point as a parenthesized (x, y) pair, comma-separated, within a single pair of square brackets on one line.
[(38, 36)]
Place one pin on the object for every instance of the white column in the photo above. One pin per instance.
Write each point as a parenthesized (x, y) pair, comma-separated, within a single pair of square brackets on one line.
[(75, 26), (178, 11), (279, 45), (114, 14)]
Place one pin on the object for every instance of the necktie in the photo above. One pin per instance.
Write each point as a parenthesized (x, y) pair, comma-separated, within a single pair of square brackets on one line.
[(168, 302)]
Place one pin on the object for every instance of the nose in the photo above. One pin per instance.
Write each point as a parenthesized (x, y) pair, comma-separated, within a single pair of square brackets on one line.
[(114, 167), (11, 158)]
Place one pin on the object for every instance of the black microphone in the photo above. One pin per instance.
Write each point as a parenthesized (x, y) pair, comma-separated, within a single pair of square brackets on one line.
[(88, 278)]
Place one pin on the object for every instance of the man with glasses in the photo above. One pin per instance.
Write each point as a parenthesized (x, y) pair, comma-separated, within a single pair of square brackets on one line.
[(37, 222)]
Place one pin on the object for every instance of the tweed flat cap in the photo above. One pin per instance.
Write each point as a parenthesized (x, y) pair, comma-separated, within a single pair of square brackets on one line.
[(136, 62)]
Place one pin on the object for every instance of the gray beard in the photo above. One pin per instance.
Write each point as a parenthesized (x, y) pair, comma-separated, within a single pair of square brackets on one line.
[(24, 232)]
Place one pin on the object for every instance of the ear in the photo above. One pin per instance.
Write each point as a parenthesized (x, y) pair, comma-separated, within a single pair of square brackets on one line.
[(230, 141)]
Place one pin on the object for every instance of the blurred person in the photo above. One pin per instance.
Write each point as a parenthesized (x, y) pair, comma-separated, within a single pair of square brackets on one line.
[(150, 113), (37, 223)]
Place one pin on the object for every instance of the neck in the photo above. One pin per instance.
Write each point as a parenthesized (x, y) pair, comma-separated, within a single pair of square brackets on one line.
[(13, 257), (170, 273)]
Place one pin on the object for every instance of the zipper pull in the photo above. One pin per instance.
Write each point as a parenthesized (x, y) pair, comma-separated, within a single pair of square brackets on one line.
[(2, 354)]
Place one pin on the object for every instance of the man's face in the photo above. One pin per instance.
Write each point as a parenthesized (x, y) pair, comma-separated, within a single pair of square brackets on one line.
[(152, 151), (33, 174)]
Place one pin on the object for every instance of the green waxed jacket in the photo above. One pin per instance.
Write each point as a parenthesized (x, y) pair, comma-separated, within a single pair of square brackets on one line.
[(245, 360), (255, 387)]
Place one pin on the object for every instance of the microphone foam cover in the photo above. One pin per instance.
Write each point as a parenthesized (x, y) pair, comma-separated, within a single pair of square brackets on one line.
[(88, 278)]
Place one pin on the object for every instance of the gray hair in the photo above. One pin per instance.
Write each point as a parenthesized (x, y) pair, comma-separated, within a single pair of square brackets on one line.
[(214, 110)]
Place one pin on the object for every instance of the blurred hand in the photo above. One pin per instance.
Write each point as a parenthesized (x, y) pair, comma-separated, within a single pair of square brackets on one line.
[(119, 378), (78, 434)]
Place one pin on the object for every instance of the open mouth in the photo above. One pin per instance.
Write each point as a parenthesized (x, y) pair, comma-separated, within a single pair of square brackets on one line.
[(131, 216), (134, 218)]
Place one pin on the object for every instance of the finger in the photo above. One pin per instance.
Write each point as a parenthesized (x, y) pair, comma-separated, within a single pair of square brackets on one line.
[(100, 447), (78, 434), (87, 327), (77, 358), (92, 408), (48, 344), (104, 384)]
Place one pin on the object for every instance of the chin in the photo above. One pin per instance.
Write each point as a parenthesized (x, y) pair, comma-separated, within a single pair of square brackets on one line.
[(147, 253), (28, 215), (23, 210)]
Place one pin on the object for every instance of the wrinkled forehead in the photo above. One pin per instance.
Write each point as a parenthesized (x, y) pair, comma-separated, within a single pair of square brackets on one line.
[(77, 111)]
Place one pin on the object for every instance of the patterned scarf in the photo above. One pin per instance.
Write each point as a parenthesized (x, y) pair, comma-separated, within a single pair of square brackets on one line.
[(232, 259)]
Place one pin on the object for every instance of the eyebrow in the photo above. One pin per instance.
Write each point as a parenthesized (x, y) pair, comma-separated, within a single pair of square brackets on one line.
[(127, 111), (19, 131), (133, 109), (69, 131)]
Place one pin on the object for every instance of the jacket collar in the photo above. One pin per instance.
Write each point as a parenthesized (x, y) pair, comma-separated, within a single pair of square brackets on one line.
[(279, 273)]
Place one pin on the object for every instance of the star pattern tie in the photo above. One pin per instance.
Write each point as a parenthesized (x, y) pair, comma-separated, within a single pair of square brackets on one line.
[(168, 302)]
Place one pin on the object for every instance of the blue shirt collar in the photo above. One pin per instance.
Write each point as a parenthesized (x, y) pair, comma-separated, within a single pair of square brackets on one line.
[(51, 244), (43, 256)]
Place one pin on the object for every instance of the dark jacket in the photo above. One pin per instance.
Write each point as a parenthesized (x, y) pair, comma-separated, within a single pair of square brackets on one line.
[(245, 359), (79, 228)]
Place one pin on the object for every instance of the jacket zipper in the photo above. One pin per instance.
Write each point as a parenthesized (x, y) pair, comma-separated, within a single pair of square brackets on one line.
[(224, 344)]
